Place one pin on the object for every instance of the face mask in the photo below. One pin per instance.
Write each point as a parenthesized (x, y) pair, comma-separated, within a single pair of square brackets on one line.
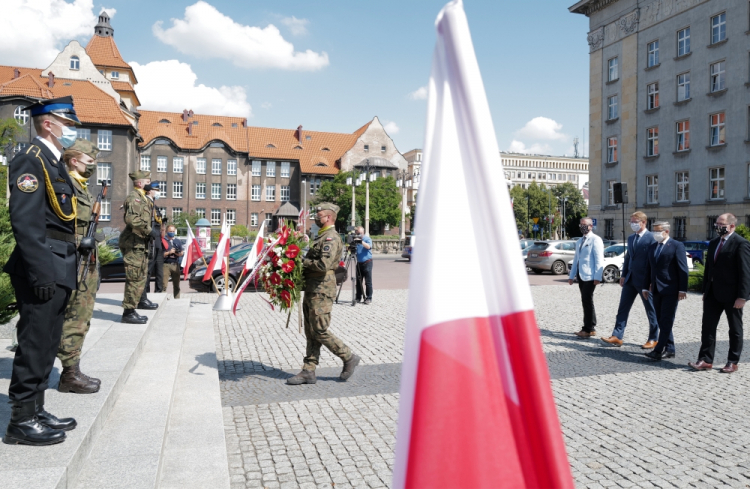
[(584, 228), (721, 230), (171, 235), (90, 169), (68, 136), (658, 236), (635, 226), (156, 196), (318, 222)]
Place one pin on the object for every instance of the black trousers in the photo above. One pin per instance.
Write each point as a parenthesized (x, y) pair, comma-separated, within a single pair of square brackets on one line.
[(712, 310), (39, 330), (587, 300), (365, 274), (156, 270), (666, 308)]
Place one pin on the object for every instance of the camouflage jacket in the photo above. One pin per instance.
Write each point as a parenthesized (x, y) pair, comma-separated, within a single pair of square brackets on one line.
[(85, 208), (320, 262), (138, 211)]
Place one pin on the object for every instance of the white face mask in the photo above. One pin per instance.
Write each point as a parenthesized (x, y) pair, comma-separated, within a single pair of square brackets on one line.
[(635, 226), (659, 236)]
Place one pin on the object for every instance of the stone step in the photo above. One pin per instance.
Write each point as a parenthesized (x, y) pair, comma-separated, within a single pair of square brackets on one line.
[(110, 353)]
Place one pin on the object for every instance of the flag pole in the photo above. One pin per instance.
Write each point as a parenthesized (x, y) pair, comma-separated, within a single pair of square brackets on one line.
[(239, 280), (226, 276)]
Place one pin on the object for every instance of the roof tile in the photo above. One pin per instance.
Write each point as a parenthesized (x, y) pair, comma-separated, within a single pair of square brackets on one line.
[(103, 52)]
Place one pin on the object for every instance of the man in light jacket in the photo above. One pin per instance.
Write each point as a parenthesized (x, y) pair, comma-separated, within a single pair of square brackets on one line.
[(587, 267)]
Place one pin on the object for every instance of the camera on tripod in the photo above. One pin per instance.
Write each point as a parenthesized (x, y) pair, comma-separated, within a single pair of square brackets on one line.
[(352, 239)]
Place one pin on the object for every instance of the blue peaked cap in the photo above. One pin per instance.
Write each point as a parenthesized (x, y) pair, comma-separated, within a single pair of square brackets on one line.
[(61, 107)]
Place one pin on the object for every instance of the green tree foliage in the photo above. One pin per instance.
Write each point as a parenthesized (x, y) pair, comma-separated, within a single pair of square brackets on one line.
[(240, 230), (743, 231), (181, 222), (575, 206), (10, 133), (544, 203)]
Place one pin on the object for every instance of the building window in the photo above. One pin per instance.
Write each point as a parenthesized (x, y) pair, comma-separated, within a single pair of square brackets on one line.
[(256, 168), (270, 193), (200, 212), (284, 169), (104, 174), (716, 181), (314, 185), (231, 167), (231, 217), (21, 116), (611, 150), (255, 195), (718, 76), (710, 221), (200, 166), (682, 179), (231, 191), (83, 134), (367, 148), (161, 164), (382, 149), (652, 141), (104, 140), (683, 86), (105, 211), (652, 189), (718, 124), (609, 228), (653, 53), (285, 193), (683, 135), (612, 107), (269, 217), (176, 212), (612, 70), (683, 41), (270, 168), (75, 63), (115, 75), (254, 219), (610, 192), (161, 211), (177, 163), (216, 166), (679, 228), (162, 190), (145, 163), (650, 223), (718, 28), (176, 190), (215, 191), (200, 190), (215, 217), (653, 95)]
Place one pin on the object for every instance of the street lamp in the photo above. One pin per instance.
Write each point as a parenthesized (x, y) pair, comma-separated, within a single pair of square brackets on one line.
[(565, 200), (403, 183), (368, 177)]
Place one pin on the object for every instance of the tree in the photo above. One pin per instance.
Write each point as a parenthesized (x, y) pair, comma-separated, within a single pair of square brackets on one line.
[(240, 230), (575, 206), (544, 203), (337, 192), (181, 221)]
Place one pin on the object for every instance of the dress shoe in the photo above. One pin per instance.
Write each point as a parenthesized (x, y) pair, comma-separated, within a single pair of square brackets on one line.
[(129, 316), (700, 365), (655, 356), (25, 429), (349, 367), (585, 334), (304, 377), (649, 345), (73, 380), (729, 368), (612, 340), (368, 301), (147, 304), (668, 354), (50, 420)]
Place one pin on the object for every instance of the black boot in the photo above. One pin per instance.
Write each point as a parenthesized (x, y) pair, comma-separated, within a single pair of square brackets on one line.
[(146, 304), (129, 316), (304, 377), (25, 429), (73, 380), (349, 367), (50, 420)]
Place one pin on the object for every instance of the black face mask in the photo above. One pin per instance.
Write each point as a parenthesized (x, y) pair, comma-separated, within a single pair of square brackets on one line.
[(584, 228), (721, 230)]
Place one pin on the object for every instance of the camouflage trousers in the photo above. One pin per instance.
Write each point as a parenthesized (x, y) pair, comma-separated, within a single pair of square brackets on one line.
[(78, 314), (317, 311), (136, 273), (172, 271)]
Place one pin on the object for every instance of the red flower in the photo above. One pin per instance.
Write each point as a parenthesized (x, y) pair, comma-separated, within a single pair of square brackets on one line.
[(292, 251), (288, 284), (275, 260), (288, 266), (284, 235), (286, 297), (275, 278)]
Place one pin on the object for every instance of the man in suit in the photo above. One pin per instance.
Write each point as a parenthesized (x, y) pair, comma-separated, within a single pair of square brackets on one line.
[(631, 281), (587, 267), (726, 287), (667, 282)]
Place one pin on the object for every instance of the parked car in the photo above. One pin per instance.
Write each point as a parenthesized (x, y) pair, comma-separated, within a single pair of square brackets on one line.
[(115, 270), (408, 248), (236, 252), (525, 243), (696, 250), (550, 256), (195, 280)]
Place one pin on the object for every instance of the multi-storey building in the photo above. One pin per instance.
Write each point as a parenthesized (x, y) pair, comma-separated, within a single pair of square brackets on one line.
[(669, 110), (522, 169)]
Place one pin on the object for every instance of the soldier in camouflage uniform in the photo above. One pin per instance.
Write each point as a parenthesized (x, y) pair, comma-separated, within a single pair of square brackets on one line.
[(134, 246), (81, 161), (320, 289)]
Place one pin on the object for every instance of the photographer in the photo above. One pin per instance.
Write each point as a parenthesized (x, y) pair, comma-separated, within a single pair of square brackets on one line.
[(364, 265)]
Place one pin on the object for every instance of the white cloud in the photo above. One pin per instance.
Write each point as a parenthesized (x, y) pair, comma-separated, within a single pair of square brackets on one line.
[(391, 128), (419, 94), (298, 27), (541, 128), (266, 105), (110, 11), (207, 33), (33, 32), (519, 147), (170, 86)]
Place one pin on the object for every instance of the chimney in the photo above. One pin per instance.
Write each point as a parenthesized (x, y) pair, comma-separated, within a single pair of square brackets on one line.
[(51, 80), (244, 122), (190, 129), (299, 133), (190, 114), (184, 115), (16, 73)]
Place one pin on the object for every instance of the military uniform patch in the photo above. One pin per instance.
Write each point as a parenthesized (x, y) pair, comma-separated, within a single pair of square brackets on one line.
[(328, 239), (63, 198), (27, 183), (327, 248)]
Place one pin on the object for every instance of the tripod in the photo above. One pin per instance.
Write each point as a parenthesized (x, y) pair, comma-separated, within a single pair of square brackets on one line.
[(352, 272)]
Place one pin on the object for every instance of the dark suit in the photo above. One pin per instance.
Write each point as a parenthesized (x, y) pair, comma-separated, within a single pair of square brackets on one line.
[(634, 276), (666, 277), (45, 254), (155, 261), (725, 279)]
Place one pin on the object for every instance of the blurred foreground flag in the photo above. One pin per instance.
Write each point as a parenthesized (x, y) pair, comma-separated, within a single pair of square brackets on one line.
[(476, 406)]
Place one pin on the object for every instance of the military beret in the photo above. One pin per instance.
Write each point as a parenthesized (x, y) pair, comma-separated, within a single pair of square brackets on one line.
[(327, 206), (139, 175), (84, 146)]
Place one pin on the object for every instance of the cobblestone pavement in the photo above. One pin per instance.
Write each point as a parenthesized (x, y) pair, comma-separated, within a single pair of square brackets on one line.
[(627, 422)]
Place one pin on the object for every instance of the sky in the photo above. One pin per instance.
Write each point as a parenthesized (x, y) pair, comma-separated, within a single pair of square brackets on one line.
[(329, 66)]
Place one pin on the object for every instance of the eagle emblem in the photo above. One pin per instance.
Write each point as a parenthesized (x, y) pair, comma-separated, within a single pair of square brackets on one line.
[(27, 183)]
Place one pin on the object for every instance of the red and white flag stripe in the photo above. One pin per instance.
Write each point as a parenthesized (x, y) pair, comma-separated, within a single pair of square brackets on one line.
[(476, 406), (192, 252), (222, 251), (257, 248)]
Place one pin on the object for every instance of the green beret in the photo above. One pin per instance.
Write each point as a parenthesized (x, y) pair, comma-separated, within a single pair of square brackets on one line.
[(139, 175), (327, 206), (84, 146)]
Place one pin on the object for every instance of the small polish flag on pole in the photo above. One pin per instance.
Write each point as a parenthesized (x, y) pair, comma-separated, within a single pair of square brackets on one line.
[(192, 252), (252, 257), (476, 406), (222, 251)]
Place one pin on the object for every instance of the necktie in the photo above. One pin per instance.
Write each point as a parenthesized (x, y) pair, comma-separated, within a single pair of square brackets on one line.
[(718, 248), (635, 243), (658, 250)]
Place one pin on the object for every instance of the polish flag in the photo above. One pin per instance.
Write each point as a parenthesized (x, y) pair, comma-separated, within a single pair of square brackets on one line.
[(476, 406), (192, 252), (257, 248), (222, 251)]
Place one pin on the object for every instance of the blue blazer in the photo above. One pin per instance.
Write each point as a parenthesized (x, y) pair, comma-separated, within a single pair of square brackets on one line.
[(669, 274), (636, 259), (589, 259)]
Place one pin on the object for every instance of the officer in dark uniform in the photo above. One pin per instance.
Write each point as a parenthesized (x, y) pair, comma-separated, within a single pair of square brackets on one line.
[(42, 268), (156, 249)]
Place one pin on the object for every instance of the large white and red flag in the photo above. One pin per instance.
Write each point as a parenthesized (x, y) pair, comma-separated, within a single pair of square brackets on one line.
[(476, 406), (192, 252), (255, 251), (222, 250)]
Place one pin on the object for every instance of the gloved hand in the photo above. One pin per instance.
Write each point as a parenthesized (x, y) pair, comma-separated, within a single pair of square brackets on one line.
[(87, 244), (45, 291)]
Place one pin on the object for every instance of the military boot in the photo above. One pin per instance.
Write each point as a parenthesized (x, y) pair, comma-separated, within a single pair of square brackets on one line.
[(349, 367), (147, 304), (50, 420), (129, 316), (304, 377), (73, 380), (26, 429), (89, 378)]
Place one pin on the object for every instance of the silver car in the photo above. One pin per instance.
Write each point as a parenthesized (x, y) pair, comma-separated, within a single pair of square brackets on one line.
[(550, 256)]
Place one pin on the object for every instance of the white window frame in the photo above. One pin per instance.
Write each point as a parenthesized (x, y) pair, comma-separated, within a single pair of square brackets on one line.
[(83, 134), (652, 189), (177, 189), (231, 167), (610, 192), (162, 189), (255, 193), (682, 183), (285, 169), (285, 193), (21, 116), (200, 166), (176, 212), (104, 140), (231, 216), (231, 191), (215, 166), (200, 190), (652, 49), (719, 28), (75, 63), (270, 193), (254, 219), (105, 210), (718, 76), (613, 69), (114, 75), (256, 168), (145, 162), (652, 91), (683, 86), (216, 217), (161, 164), (270, 168), (200, 212), (716, 176), (178, 164), (652, 141), (612, 112), (683, 41), (683, 135), (612, 150), (268, 220), (717, 129), (104, 173), (215, 191)]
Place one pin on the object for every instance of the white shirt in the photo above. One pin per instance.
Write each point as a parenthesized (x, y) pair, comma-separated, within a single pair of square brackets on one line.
[(51, 147)]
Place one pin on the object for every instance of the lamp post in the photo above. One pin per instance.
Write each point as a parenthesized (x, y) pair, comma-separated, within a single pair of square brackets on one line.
[(369, 177), (403, 183), (350, 181), (565, 200)]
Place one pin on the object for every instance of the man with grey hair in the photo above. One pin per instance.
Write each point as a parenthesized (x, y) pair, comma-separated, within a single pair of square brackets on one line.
[(667, 282), (587, 268)]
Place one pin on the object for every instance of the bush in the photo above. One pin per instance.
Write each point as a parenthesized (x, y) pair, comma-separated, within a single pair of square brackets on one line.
[(743, 231), (695, 279), (240, 230), (106, 254)]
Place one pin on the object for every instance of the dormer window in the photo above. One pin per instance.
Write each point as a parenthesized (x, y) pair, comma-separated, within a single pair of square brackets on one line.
[(320, 164), (308, 138), (325, 149), (195, 123), (234, 124), (164, 121), (115, 75), (298, 147), (216, 124), (269, 145), (75, 63)]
